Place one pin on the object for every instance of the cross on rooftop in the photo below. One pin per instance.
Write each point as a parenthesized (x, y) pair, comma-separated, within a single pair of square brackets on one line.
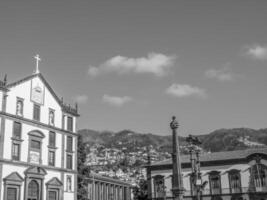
[(37, 64)]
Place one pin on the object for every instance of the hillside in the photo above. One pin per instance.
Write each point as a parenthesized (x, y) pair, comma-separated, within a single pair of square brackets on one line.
[(218, 140)]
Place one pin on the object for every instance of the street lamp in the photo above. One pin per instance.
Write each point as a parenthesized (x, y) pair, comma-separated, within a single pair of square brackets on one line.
[(193, 143)]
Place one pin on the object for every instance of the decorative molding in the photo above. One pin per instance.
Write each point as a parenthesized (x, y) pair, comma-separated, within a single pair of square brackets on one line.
[(26, 164), (36, 123), (14, 177)]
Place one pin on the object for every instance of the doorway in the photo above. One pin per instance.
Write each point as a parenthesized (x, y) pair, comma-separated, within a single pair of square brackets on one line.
[(33, 190)]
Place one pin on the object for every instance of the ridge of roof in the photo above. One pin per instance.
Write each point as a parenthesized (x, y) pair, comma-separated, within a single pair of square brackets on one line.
[(216, 156), (65, 108)]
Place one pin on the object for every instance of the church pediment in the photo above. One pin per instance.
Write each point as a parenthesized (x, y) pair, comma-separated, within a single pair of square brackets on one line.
[(14, 177), (54, 182), (36, 170)]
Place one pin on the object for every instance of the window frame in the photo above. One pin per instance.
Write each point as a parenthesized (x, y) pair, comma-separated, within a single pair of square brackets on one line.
[(35, 105), (53, 144), (67, 161), (231, 174), (13, 157), (13, 132), (70, 125), (14, 180), (37, 136), (69, 147), (215, 174), (49, 158)]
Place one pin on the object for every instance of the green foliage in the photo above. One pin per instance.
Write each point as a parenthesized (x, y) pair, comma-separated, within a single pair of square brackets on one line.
[(140, 191), (83, 170)]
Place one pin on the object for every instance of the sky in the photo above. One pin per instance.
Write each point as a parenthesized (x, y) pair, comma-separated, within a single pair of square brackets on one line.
[(135, 64)]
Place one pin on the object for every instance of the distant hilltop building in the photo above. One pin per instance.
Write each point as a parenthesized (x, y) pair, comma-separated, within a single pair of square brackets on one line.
[(38, 150), (231, 175)]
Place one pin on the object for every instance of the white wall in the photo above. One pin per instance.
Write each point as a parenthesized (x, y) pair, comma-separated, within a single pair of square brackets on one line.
[(24, 91), (205, 177)]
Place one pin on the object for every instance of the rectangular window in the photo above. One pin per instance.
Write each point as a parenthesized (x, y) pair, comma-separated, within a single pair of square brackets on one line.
[(52, 139), (235, 182), (52, 195), (36, 112), (17, 130), (51, 158), (69, 161), (69, 143), (15, 151), (35, 144), (215, 183), (70, 124), (11, 193)]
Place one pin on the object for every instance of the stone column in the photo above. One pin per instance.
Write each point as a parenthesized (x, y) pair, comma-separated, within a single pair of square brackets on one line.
[(114, 192), (177, 184)]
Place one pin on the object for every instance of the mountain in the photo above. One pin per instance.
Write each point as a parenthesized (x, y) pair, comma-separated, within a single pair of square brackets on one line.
[(218, 140)]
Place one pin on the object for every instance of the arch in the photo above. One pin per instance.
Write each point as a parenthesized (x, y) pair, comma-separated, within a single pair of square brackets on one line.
[(36, 133)]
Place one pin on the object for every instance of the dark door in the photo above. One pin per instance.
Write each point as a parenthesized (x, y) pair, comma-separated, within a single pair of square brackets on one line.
[(52, 195), (11, 194), (33, 190)]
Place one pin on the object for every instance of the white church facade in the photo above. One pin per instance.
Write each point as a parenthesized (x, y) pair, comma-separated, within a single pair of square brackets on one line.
[(38, 142)]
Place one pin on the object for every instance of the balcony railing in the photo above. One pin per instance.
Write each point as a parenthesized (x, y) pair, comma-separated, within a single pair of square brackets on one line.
[(223, 191)]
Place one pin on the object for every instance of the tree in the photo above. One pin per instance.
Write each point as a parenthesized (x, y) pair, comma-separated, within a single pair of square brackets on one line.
[(83, 170), (140, 191)]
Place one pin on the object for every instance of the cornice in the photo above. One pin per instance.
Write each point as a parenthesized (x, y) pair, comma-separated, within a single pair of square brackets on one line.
[(26, 164), (36, 123)]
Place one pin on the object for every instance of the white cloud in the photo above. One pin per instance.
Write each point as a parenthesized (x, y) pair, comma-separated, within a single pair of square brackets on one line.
[(223, 74), (81, 99), (116, 101), (184, 90), (93, 71), (257, 52), (155, 63)]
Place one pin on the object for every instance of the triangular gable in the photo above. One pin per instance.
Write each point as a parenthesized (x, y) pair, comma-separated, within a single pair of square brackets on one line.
[(14, 177), (36, 170), (44, 81), (65, 108), (54, 182)]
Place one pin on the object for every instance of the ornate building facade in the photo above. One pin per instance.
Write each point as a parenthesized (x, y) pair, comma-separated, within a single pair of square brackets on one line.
[(38, 140), (232, 175)]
